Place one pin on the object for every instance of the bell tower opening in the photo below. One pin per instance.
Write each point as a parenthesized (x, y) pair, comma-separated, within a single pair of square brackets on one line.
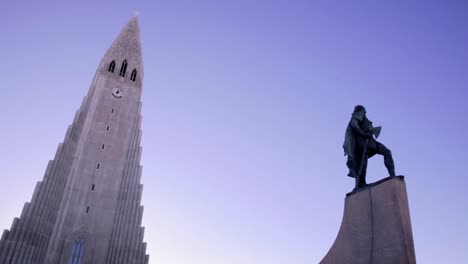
[(123, 69)]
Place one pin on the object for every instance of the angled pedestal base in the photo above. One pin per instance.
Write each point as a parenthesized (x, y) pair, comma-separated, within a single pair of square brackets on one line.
[(376, 226)]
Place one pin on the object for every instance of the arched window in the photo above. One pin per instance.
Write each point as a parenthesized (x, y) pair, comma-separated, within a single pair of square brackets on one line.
[(123, 69), (111, 66), (133, 75), (77, 253)]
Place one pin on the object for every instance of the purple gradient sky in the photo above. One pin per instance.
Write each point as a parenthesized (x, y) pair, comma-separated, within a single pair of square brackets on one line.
[(245, 105)]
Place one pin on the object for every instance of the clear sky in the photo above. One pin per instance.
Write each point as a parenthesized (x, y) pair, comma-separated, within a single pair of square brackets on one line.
[(245, 106)]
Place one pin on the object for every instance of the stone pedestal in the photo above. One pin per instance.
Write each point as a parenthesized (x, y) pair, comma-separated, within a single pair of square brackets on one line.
[(376, 226)]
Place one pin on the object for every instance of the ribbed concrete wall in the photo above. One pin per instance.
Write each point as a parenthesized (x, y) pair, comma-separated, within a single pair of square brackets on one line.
[(28, 237), (376, 227), (127, 234)]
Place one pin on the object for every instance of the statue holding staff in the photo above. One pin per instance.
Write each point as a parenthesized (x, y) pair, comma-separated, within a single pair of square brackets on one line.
[(360, 145)]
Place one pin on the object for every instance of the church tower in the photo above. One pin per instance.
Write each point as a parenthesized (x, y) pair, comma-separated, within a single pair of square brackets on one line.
[(87, 208)]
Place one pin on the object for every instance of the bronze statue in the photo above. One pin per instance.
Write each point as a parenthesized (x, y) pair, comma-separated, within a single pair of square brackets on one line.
[(359, 145)]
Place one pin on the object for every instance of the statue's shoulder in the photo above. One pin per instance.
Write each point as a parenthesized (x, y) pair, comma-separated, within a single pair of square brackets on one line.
[(365, 121), (359, 116)]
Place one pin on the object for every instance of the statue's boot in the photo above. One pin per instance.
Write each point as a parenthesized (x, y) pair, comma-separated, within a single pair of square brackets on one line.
[(360, 182)]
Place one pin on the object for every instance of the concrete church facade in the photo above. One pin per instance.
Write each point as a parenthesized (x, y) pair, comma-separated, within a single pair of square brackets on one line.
[(87, 208)]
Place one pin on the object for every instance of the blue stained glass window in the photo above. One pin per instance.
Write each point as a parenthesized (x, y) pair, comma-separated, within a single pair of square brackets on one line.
[(77, 253)]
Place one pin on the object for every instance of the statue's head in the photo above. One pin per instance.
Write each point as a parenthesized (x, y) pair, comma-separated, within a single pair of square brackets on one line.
[(359, 108)]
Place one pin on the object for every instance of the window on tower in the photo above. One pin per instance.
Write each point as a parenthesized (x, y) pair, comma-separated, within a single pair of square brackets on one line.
[(77, 252), (123, 69), (111, 66), (133, 75)]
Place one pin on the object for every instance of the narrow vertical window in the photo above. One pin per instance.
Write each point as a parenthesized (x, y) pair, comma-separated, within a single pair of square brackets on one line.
[(87, 209), (72, 258), (107, 128), (98, 165), (77, 252), (133, 75), (111, 66), (102, 147), (92, 187), (112, 110), (123, 69)]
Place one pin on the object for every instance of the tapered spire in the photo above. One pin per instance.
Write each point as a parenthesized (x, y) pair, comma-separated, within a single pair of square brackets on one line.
[(127, 46)]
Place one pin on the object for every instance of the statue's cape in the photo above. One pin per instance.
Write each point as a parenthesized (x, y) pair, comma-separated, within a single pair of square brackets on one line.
[(350, 140)]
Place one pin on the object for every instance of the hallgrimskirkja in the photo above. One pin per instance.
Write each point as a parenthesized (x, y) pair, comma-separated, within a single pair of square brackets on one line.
[(87, 208)]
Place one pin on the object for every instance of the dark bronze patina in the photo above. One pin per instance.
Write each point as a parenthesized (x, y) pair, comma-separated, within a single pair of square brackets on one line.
[(360, 145)]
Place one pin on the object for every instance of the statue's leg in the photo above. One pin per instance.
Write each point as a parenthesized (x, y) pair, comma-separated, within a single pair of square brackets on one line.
[(388, 159), (353, 165), (362, 177), (361, 164)]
